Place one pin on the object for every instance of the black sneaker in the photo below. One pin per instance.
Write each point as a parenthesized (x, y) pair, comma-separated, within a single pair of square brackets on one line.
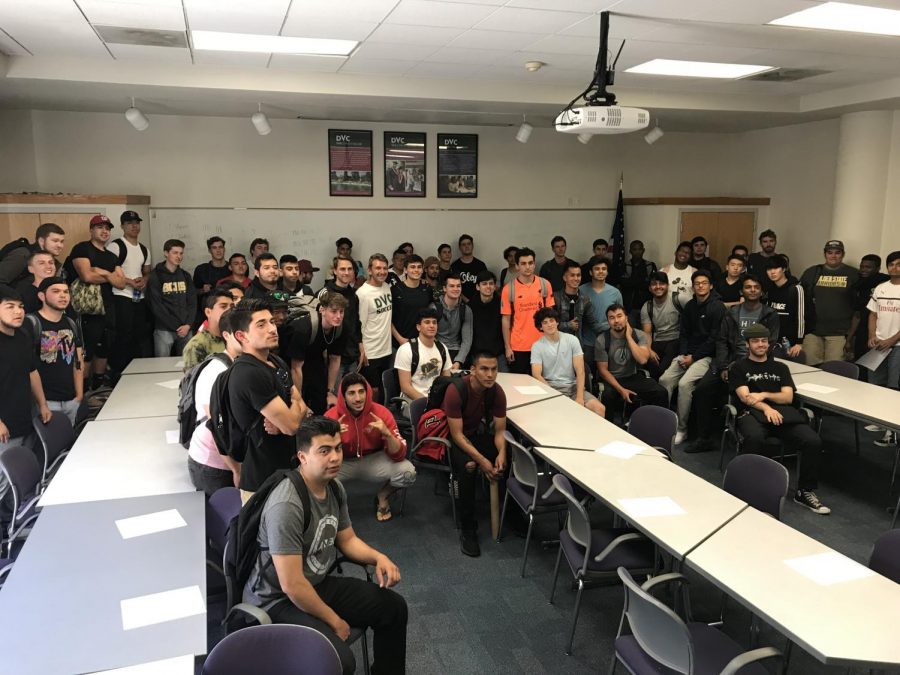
[(701, 445), (808, 499), (468, 543)]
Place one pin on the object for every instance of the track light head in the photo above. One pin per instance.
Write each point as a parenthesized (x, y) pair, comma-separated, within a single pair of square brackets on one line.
[(524, 132), (653, 135), (261, 122), (584, 139), (136, 118)]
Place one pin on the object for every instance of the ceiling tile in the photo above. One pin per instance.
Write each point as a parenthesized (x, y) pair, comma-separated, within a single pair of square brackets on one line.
[(414, 35), (329, 28), (588, 6), (496, 39), (151, 54), (459, 55), (448, 70), (70, 38), (203, 57), (399, 52), (442, 14), (619, 27), (566, 44), (583, 62), (310, 64), (133, 14), (495, 3), (530, 20), (262, 17), (377, 66), (356, 10)]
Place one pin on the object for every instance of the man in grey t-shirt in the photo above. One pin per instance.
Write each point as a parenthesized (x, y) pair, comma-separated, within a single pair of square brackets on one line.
[(661, 320), (290, 578), (619, 353)]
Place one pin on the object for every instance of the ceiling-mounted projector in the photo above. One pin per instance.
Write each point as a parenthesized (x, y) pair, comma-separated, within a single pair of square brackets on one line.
[(599, 113), (602, 120)]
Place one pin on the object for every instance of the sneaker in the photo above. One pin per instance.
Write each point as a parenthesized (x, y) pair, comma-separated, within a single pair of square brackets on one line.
[(889, 439), (808, 499), (680, 437), (873, 428), (701, 445), (468, 543)]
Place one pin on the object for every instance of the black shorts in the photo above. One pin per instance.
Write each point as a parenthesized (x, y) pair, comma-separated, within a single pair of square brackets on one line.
[(98, 336), (372, 372)]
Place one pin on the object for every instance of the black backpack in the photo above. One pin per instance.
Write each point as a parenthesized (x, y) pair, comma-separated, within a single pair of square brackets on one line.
[(439, 391), (123, 251), (187, 389), (9, 248), (243, 531), (414, 348)]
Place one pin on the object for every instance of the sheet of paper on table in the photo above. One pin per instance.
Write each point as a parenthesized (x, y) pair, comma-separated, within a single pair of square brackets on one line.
[(150, 523), (172, 435), (530, 390), (146, 610), (179, 364), (828, 568), (179, 665), (816, 388), (169, 384), (651, 506), (620, 449)]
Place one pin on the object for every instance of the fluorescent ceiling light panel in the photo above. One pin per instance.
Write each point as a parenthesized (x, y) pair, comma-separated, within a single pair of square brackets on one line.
[(845, 17), (270, 44), (725, 71)]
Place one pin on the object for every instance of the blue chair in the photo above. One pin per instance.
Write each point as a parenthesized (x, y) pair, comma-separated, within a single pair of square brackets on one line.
[(528, 488), (23, 475), (885, 557), (594, 555), (655, 426), (760, 481), (278, 649), (57, 438), (221, 508), (844, 369), (661, 642)]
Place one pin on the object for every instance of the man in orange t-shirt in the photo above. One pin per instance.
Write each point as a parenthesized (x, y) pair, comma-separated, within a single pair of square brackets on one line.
[(529, 294)]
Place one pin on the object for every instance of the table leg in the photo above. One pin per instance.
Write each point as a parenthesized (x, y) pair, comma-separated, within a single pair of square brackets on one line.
[(495, 510)]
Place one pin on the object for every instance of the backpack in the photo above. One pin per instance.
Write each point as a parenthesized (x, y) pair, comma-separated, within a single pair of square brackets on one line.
[(35, 322), (123, 251), (187, 389), (414, 348), (433, 422), (511, 292), (243, 543), (9, 248), (302, 307), (230, 439)]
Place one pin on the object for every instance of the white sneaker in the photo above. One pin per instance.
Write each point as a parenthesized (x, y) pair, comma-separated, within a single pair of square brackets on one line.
[(873, 428), (680, 437), (889, 439), (808, 499)]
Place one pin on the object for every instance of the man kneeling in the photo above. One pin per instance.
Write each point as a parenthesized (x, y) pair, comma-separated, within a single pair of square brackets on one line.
[(290, 580), (374, 450)]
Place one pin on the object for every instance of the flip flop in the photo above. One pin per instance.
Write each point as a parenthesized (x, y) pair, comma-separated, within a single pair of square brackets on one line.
[(382, 513)]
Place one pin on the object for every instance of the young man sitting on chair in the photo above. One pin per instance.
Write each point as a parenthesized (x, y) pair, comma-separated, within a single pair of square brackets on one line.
[(764, 391), (374, 450)]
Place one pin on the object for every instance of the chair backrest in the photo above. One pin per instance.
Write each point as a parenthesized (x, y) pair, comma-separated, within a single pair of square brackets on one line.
[(842, 368), (22, 472), (416, 410), (886, 555), (524, 466), (390, 385), (223, 505), (659, 631), (274, 649), (760, 481), (56, 436), (578, 523), (654, 425)]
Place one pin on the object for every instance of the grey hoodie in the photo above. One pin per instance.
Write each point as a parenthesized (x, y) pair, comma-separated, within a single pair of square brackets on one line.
[(455, 329)]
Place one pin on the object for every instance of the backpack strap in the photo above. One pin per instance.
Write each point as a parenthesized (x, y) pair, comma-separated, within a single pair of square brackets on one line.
[(445, 353), (123, 252), (145, 252), (607, 339), (414, 361), (303, 492), (36, 331)]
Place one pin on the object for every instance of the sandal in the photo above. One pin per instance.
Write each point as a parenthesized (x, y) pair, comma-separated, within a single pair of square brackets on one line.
[(382, 513)]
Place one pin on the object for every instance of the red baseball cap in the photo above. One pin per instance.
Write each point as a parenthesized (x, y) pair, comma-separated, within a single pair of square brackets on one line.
[(101, 220)]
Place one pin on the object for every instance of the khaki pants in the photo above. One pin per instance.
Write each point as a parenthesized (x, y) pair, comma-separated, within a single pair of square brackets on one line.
[(820, 349)]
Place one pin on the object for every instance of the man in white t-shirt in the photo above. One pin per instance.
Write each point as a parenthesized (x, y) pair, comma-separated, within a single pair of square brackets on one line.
[(679, 273), (557, 360), (375, 314), (132, 314), (208, 469), (417, 371), (884, 332)]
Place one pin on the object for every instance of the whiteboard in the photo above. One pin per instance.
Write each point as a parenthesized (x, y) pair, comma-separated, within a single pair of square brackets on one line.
[(311, 233)]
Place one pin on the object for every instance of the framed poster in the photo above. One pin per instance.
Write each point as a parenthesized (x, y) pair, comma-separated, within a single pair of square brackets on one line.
[(349, 163), (404, 164), (457, 161)]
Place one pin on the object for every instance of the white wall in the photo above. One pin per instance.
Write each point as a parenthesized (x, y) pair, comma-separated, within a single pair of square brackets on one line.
[(17, 156)]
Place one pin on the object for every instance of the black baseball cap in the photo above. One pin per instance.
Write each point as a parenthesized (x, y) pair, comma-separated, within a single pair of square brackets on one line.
[(129, 217)]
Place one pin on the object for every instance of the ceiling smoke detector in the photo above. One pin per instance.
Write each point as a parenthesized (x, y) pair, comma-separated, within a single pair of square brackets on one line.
[(534, 66)]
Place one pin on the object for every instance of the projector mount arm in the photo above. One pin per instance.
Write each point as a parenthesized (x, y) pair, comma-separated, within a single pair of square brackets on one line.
[(596, 93)]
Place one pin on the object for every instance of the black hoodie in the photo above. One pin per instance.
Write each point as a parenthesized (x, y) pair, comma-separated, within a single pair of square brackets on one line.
[(700, 323), (173, 297), (351, 326), (793, 305)]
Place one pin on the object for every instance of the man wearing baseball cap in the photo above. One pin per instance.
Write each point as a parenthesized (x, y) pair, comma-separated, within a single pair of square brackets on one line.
[(306, 274), (831, 288)]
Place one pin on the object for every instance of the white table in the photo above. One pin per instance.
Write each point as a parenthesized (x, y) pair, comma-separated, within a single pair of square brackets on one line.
[(859, 400), (156, 364), (515, 398), (121, 458), (850, 623), (561, 423), (142, 396), (798, 368), (60, 610), (705, 507)]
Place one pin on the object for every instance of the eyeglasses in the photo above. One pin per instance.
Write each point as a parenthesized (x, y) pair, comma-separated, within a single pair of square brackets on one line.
[(701, 283)]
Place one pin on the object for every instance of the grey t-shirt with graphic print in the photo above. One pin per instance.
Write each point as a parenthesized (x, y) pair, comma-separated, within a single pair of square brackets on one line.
[(281, 533), (620, 360)]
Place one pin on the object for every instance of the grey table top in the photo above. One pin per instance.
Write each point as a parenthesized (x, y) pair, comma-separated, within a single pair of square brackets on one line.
[(156, 364), (144, 395), (798, 368), (860, 400), (60, 608), (511, 383), (851, 622), (115, 459)]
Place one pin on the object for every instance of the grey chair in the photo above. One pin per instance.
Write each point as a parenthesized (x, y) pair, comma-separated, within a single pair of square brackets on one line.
[(527, 487), (661, 642), (760, 481), (279, 649), (57, 438), (442, 468), (221, 508), (655, 426), (885, 558), (23, 474), (594, 555), (844, 369)]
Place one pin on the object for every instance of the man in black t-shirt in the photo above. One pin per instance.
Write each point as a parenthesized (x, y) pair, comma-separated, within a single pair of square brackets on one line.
[(41, 265), (487, 332), (467, 266), (208, 274), (266, 408), (764, 391), (312, 338), (59, 348), (91, 263), (18, 373), (408, 296)]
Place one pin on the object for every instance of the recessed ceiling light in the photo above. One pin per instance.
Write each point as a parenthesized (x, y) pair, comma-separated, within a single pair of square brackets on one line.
[(726, 71), (269, 44), (845, 17)]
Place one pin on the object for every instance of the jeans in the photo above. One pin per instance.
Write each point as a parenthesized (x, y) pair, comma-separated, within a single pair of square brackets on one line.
[(685, 380), (163, 340), (465, 479), (361, 604), (666, 350), (68, 408), (647, 390), (710, 396), (799, 436), (888, 373), (208, 479)]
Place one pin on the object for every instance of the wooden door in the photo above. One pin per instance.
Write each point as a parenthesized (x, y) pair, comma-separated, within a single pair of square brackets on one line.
[(722, 230), (76, 225)]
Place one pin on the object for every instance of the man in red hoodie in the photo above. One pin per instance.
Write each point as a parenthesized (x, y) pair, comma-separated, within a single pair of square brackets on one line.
[(374, 450)]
